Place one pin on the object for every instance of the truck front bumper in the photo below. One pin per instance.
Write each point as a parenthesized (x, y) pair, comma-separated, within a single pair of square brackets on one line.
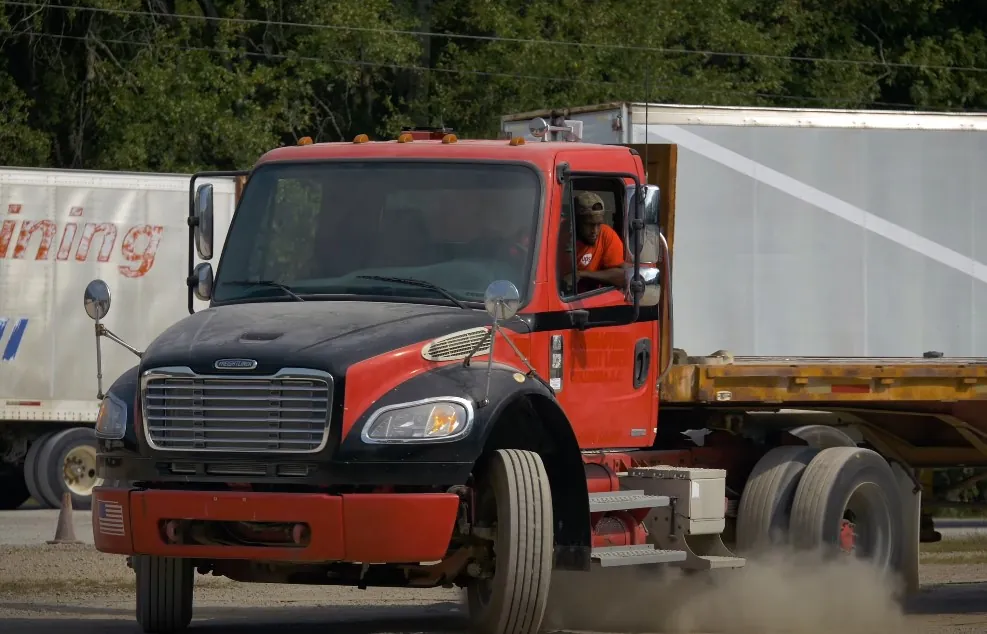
[(364, 528)]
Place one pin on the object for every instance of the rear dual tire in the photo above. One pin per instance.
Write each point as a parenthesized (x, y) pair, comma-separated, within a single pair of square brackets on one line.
[(822, 500), (62, 462), (848, 498), (766, 503), (13, 488)]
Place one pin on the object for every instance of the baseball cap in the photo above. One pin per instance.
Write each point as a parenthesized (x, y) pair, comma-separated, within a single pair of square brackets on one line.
[(588, 202)]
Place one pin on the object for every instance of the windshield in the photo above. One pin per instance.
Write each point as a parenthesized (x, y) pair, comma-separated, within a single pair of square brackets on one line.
[(318, 229)]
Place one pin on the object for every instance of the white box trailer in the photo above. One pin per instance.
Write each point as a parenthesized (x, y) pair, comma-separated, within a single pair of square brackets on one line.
[(59, 229), (817, 232)]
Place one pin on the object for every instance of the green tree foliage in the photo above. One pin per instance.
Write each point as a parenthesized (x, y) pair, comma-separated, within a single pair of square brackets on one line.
[(177, 85)]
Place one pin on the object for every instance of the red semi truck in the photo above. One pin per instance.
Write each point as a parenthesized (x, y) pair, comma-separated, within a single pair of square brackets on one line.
[(398, 383)]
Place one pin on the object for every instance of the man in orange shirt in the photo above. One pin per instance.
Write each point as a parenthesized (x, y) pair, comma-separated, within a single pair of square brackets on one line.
[(599, 250)]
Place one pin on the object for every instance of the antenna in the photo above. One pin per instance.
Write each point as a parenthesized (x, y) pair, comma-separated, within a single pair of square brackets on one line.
[(647, 126)]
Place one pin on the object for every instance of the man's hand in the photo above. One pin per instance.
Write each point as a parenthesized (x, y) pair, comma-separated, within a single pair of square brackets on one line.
[(568, 281)]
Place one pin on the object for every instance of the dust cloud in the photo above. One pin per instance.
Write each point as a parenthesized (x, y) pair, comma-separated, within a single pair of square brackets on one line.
[(794, 593)]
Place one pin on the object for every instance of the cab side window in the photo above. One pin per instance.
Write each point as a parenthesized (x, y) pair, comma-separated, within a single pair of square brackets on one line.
[(590, 237)]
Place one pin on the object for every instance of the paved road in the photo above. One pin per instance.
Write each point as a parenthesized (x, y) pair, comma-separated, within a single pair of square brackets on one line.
[(307, 620), (952, 528), (953, 609)]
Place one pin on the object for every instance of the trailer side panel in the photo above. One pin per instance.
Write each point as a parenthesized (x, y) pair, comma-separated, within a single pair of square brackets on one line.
[(827, 240), (60, 229)]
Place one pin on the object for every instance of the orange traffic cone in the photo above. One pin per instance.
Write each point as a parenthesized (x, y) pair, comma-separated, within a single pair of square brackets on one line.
[(65, 531)]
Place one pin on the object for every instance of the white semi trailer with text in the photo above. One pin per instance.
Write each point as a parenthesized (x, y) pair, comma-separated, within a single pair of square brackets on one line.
[(59, 229)]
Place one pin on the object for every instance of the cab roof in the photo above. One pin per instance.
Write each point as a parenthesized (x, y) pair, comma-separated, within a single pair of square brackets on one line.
[(541, 154)]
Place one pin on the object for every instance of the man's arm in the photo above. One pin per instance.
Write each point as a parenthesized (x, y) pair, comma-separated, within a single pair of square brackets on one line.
[(613, 276)]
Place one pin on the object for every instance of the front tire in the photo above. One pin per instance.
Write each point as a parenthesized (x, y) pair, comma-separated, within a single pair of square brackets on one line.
[(516, 493), (164, 593)]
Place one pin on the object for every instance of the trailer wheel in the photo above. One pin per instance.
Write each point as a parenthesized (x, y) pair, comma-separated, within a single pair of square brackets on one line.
[(847, 502), (515, 497), (67, 464), (164, 593), (31, 470), (765, 505), (13, 488)]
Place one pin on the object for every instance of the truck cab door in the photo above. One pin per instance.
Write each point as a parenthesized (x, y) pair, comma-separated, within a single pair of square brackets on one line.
[(604, 375)]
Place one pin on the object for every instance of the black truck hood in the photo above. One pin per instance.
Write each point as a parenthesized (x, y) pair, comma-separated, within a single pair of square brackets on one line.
[(326, 335)]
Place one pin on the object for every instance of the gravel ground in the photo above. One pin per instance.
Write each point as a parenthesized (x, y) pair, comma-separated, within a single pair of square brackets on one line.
[(45, 587)]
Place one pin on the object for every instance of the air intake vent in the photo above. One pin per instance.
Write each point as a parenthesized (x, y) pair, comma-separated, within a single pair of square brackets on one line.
[(457, 345)]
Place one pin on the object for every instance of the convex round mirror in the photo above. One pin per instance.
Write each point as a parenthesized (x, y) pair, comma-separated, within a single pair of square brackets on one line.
[(502, 300), (97, 299), (538, 128)]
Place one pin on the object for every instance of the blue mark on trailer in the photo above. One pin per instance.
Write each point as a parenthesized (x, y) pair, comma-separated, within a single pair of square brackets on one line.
[(14, 339)]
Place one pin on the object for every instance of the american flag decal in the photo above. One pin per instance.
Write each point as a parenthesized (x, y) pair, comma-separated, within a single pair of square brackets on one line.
[(110, 518)]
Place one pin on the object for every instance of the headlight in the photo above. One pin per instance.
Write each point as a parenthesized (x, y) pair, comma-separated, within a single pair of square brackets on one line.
[(111, 422), (432, 420)]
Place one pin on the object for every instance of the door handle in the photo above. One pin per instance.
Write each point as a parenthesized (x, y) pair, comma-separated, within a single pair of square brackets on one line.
[(642, 361)]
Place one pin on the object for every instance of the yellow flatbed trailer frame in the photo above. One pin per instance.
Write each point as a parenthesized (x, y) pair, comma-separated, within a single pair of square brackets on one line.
[(924, 412)]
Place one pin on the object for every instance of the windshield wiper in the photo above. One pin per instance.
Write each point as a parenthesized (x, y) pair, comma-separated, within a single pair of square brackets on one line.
[(416, 282), (270, 283)]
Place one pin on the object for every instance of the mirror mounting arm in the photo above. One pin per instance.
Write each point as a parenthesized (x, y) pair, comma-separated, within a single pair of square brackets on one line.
[(103, 331), (501, 301)]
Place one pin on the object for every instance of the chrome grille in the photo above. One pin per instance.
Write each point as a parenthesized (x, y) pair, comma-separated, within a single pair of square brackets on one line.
[(284, 413)]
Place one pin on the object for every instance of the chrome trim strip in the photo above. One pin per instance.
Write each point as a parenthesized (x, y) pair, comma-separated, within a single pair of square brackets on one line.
[(182, 372)]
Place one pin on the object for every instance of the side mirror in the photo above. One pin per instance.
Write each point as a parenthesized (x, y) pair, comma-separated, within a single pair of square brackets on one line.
[(502, 300), (538, 128), (650, 252), (97, 299), (652, 286), (201, 281), (203, 216)]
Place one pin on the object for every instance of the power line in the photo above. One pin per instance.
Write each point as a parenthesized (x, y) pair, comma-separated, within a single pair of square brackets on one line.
[(514, 40), (455, 71)]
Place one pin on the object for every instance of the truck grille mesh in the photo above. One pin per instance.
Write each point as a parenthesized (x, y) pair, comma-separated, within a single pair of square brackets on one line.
[(258, 414)]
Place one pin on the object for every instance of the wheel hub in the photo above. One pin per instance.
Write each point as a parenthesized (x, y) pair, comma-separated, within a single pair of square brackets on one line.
[(848, 536), (79, 470)]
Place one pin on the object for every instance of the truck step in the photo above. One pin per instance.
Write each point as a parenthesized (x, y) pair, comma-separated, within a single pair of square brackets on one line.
[(713, 562), (609, 556), (625, 500)]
